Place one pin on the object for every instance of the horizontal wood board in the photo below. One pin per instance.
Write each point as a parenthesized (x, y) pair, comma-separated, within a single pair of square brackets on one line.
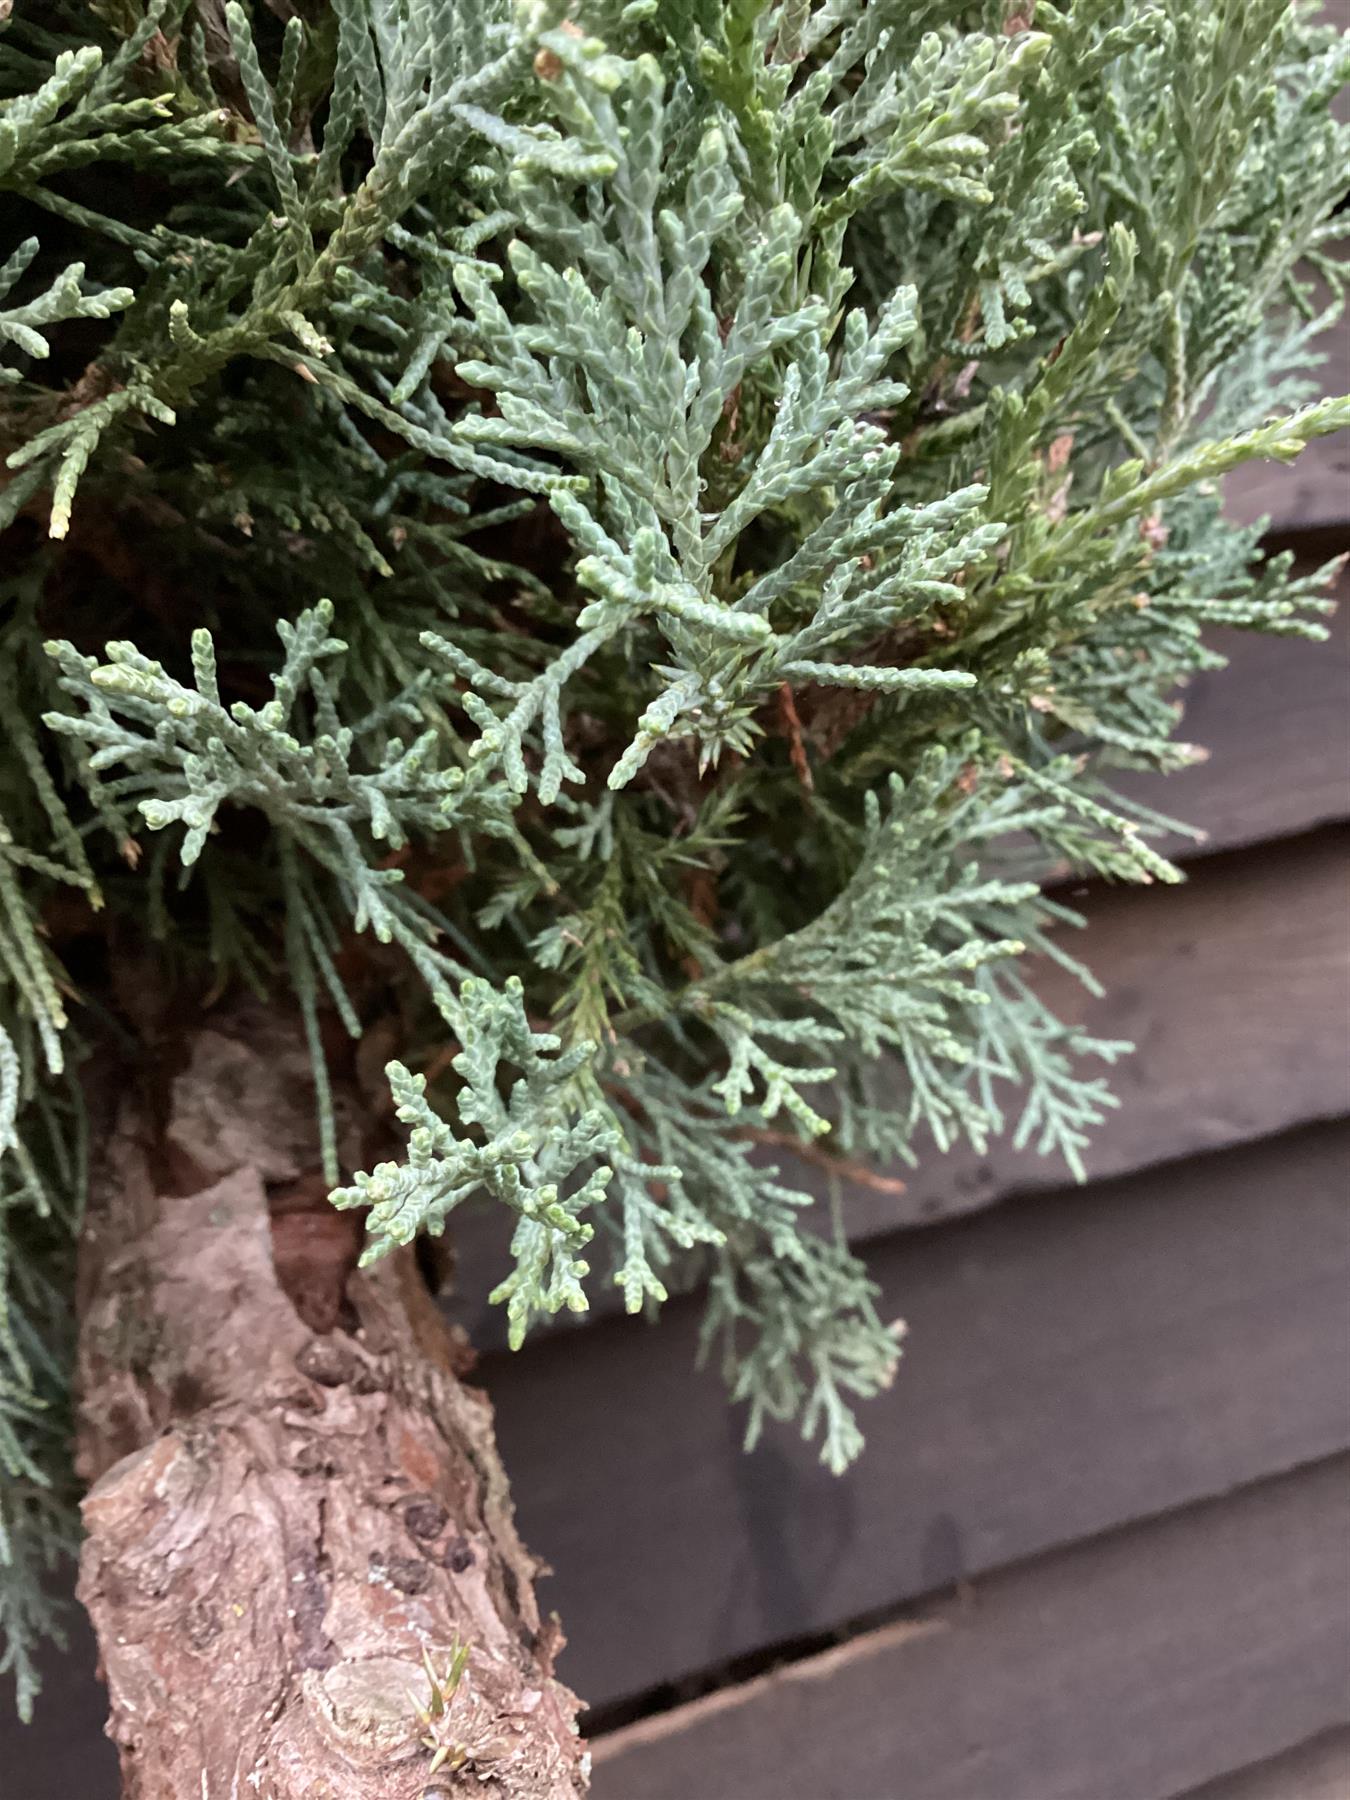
[(1073, 1362), (1129, 1668), (1234, 990), (63, 1754), (1275, 726), (1314, 491), (1319, 1770), (1310, 496)]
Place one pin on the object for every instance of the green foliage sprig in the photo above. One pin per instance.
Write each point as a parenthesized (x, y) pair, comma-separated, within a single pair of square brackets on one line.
[(531, 1142)]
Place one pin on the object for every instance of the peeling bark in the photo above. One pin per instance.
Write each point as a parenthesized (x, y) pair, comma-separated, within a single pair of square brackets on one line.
[(294, 1496)]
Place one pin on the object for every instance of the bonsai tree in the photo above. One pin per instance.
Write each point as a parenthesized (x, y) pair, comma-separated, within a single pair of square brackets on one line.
[(576, 572)]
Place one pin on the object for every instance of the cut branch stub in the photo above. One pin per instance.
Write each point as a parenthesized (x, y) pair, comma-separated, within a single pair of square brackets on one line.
[(293, 1536)]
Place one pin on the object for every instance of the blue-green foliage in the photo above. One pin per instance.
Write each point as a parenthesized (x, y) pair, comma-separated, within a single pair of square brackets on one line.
[(730, 481), (527, 1141)]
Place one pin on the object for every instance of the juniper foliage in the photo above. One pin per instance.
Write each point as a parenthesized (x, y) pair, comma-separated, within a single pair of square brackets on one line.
[(639, 536)]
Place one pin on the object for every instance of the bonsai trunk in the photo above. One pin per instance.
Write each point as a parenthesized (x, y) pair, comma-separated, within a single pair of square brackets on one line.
[(297, 1522)]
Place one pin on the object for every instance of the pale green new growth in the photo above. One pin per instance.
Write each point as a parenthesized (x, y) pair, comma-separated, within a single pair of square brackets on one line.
[(732, 482), (532, 1140)]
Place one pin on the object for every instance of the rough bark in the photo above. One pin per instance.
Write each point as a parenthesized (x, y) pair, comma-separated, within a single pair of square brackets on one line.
[(294, 1496)]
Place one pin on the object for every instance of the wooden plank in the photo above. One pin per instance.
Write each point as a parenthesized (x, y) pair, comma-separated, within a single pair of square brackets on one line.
[(1124, 1669), (1231, 986), (1314, 491), (1316, 1771), (1276, 725), (63, 1753), (1311, 494), (1236, 990), (1073, 1362)]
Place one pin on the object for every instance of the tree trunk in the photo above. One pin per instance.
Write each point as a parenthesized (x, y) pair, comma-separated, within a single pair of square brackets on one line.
[(297, 1515)]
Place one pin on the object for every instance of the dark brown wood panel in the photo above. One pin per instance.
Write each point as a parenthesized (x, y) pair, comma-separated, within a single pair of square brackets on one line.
[(1276, 726), (1235, 988), (1316, 1771), (1310, 494), (63, 1754), (1074, 1361), (1313, 491), (1125, 1669)]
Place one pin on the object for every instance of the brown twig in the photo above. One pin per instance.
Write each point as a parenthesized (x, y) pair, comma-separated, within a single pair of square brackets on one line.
[(792, 730), (824, 1158)]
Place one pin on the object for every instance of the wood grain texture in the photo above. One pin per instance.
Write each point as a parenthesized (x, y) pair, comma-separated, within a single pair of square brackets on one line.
[(1073, 1362), (1319, 1770), (1125, 1669), (1235, 988)]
